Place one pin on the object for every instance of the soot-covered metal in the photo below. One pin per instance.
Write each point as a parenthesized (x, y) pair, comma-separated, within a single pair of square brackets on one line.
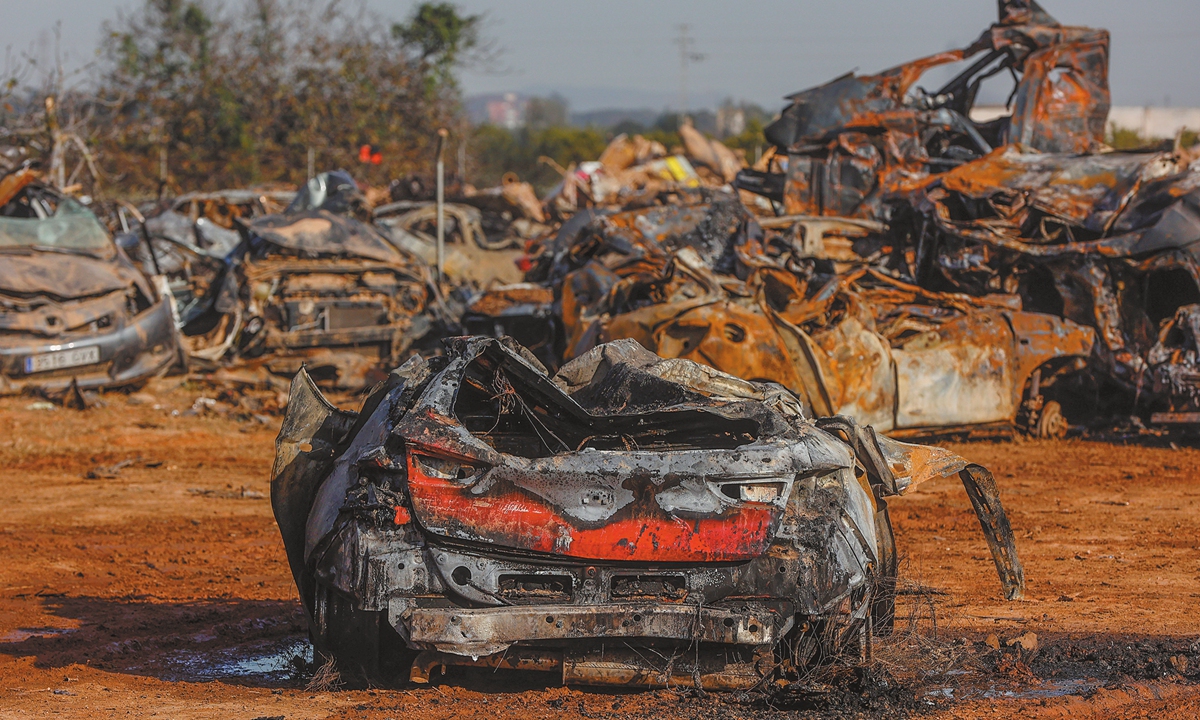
[(312, 286), (632, 520), (767, 299)]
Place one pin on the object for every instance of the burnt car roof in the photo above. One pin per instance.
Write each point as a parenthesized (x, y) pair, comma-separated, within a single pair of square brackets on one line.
[(320, 233)]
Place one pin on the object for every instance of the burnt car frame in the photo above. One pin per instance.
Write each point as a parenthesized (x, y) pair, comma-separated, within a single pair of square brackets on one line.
[(74, 310), (852, 142), (631, 521), (312, 286)]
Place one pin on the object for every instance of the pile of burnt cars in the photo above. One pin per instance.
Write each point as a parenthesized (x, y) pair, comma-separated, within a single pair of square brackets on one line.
[(707, 282), (922, 270), (1030, 206)]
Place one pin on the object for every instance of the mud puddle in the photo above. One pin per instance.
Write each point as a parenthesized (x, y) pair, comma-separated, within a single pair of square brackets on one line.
[(982, 688), (23, 634), (274, 663)]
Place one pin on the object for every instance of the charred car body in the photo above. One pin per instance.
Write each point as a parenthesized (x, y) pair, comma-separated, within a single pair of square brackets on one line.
[(851, 143), (73, 308), (311, 286), (1107, 240), (631, 521)]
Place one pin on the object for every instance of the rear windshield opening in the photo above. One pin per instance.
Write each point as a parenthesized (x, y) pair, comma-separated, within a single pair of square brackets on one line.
[(490, 408), (514, 419)]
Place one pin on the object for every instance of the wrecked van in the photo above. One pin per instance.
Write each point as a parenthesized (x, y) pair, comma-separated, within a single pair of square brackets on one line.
[(629, 521)]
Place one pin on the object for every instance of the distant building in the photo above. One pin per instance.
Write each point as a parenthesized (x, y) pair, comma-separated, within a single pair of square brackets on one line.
[(730, 121), (506, 110)]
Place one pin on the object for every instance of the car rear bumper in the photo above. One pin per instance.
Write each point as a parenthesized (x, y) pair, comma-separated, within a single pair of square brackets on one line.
[(469, 631), (643, 644), (140, 350)]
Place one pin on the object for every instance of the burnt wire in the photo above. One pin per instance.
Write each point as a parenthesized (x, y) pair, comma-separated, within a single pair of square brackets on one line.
[(537, 423), (508, 400)]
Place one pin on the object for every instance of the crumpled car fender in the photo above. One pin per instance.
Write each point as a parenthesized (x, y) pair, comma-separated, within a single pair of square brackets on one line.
[(312, 433), (897, 468)]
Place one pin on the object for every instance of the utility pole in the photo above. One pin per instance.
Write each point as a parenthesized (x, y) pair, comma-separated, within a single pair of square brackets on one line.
[(686, 56), (462, 158), (58, 170), (162, 170), (441, 204)]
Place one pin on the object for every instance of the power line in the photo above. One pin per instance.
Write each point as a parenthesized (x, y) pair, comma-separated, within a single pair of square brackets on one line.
[(686, 55)]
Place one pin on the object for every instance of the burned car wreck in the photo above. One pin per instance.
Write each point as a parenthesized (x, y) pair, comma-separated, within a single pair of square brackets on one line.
[(1107, 240), (311, 286), (630, 521), (74, 310), (844, 147)]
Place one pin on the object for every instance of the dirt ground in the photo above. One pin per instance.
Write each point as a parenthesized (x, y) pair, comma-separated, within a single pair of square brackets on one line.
[(144, 577)]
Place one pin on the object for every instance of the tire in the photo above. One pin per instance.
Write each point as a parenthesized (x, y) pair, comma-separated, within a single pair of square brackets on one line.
[(365, 649)]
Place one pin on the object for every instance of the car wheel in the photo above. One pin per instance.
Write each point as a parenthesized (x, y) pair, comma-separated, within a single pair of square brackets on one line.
[(365, 649), (1052, 424)]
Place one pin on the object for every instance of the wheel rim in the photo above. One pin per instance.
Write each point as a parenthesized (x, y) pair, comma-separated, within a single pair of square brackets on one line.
[(1052, 423)]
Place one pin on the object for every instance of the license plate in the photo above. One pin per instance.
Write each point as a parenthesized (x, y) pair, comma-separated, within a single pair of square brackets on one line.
[(63, 359)]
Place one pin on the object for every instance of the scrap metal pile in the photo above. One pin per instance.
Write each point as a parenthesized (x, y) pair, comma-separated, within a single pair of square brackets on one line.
[(889, 257), (705, 282), (923, 271), (310, 286), (673, 475)]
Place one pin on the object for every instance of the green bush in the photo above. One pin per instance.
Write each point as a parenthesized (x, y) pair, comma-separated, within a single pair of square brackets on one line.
[(495, 151)]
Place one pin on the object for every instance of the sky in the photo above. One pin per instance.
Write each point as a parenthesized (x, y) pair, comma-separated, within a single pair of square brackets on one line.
[(624, 53)]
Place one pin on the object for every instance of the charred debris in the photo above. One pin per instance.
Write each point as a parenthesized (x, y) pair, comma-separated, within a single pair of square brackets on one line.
[(276, 288), (337, 277), (894, 259), (630, 521)]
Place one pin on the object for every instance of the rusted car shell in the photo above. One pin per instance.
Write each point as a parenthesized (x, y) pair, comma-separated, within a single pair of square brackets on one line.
[(1108, 240), (308, 288), (698, 283), (851, 142), (971, 372)]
